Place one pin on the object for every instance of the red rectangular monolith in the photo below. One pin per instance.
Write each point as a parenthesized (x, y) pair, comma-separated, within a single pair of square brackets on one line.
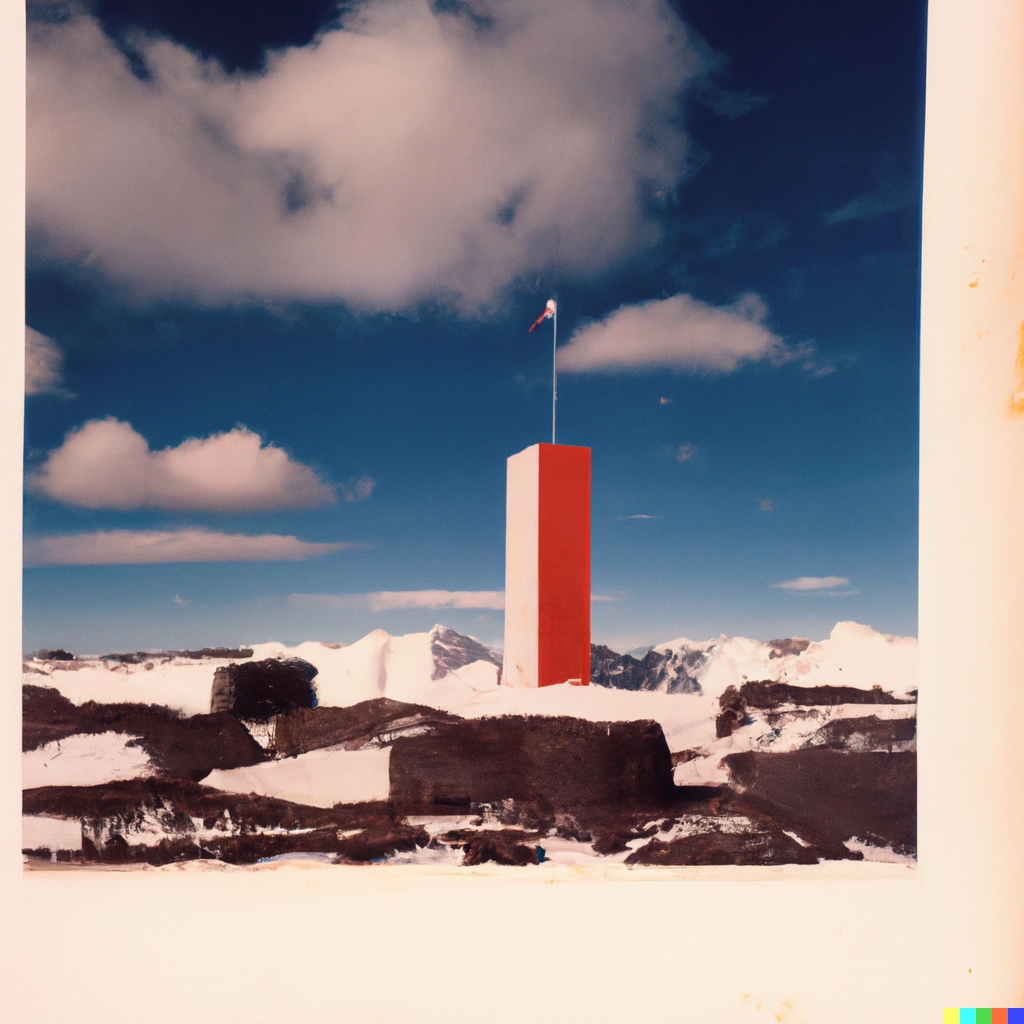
[(547, 567)]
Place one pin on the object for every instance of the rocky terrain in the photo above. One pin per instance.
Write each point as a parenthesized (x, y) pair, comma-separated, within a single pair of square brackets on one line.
[(715, 752)]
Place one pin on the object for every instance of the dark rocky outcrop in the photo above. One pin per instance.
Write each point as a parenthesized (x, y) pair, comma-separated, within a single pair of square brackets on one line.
[(765, 695), (58, 655), (453, 651), (258, 690), (248, 811), (656, 670), (141, 657), (832, 795), (185, 748), (782, 648), (499, 848), (371, 722), (370, 845), (762, 846), (358, 833), (552, 762), (869, 732)]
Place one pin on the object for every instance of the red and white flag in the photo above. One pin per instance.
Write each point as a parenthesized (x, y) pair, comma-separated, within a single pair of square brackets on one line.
[(549, 312)]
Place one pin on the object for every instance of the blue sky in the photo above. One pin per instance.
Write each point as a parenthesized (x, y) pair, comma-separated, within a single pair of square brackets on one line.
[(319, 266)]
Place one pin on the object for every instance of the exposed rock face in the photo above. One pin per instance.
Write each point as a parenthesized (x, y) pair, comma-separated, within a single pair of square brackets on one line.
[(58, 655), (832, 796), (184, 748), (765, 695), (258, 690), (198, 822), (551, 762), (369, 723), (669, 671), (868, 733), (499, 848), (780, 648), (763, 846), (453, 651)]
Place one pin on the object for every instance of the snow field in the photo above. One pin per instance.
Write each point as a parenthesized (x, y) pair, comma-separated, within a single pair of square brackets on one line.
[(182, 684), (39, 832), (86, 759), (321, 778)]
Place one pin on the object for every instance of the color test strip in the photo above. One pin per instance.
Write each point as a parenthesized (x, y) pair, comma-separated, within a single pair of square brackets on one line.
[(983, 1015)]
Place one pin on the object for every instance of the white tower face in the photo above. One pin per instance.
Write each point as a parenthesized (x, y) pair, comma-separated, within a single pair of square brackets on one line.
[(547, 567)]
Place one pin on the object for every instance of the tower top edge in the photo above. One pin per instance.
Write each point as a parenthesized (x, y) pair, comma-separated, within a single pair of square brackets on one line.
[(548, 446)]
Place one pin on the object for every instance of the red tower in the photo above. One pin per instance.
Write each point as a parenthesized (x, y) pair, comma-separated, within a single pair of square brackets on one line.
[(547, 567)]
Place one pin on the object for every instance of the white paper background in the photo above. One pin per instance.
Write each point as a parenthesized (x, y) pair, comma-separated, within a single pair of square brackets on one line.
[(391, 945)]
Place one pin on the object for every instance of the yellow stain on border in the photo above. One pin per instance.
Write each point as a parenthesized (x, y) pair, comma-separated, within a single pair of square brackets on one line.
[(1017, 398)]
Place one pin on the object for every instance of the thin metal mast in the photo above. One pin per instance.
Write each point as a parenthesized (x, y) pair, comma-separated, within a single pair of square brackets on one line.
[(554, 372)]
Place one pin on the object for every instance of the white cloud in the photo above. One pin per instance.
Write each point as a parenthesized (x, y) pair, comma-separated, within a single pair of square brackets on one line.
[(679, 333), (43, 360), (388, 600), (179, 600), (813, 583), (413, 153), (640, 515), (140, 547), (869, 206), (108, 464), (358, 490), (685, 452)]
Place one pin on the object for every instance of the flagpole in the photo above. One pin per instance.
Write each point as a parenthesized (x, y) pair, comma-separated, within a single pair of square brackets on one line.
[(554, 372)]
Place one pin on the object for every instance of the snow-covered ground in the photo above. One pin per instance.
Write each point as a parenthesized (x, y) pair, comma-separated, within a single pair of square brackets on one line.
[(39, 832), (84, 760), (182, 684), (321, 778)]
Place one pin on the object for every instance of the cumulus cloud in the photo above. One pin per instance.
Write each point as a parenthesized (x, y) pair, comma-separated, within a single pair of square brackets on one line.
[(813, 583), (108, 464), (388, 600), (678, 333), (43, 360), (412, 152), (139, 547)]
